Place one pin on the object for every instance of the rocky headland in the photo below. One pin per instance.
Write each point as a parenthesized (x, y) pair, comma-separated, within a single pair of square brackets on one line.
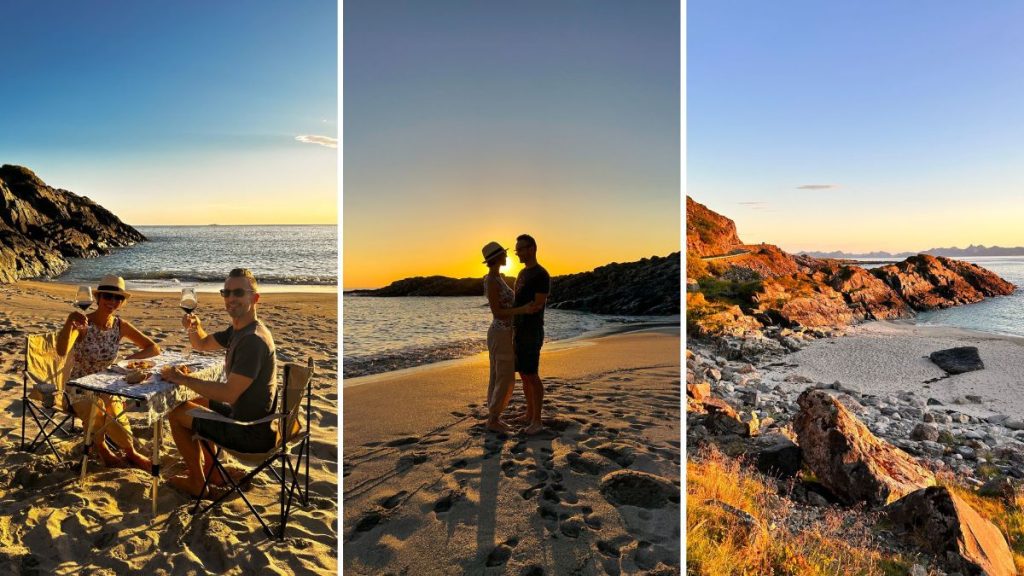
[(893, 447), (41, 227), (647, 287)]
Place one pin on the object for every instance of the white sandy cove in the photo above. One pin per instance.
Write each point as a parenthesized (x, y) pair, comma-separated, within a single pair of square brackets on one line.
[(886, 358)]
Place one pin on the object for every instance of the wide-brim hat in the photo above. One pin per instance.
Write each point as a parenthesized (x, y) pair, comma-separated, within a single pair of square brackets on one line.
[(491, 250), (113, 285)]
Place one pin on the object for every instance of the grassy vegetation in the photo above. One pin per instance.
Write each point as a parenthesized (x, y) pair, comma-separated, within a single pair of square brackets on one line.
[(738, 293), (750, 534)]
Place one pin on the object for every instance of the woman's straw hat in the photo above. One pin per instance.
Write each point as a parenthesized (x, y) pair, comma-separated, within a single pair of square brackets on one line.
[(113, 285), (491, 250)]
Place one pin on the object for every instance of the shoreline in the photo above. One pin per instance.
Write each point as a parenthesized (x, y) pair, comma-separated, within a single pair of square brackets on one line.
[(406, 360), (203, 287)]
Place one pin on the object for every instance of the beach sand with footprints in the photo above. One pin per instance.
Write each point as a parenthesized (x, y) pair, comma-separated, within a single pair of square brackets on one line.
[(427, 490), (51, 523)]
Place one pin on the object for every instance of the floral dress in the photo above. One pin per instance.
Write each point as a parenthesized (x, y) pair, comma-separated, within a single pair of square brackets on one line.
[(506, 299), (96, 350)]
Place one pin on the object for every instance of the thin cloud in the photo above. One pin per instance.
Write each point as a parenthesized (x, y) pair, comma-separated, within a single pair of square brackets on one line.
[(325, 141), (817, 186), (755, 205)]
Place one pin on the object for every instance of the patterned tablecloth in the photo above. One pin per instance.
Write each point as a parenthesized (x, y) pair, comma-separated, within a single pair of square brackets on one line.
[(154, 397)]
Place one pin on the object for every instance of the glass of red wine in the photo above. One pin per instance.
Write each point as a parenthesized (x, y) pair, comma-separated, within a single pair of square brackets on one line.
[(83, 299), (189, 302)]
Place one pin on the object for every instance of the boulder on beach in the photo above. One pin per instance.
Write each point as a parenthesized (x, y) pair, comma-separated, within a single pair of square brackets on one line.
[(947, 526), (958, 360), (848, 459), (931, 282)]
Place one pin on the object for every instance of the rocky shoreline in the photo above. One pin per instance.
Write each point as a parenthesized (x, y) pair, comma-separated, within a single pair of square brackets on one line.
[(41, 227)]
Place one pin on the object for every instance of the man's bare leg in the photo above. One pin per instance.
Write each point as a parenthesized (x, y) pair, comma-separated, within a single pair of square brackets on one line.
[(181, 431), (534, 401)]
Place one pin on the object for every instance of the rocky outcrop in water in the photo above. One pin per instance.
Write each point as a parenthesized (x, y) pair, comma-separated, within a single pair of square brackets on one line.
[(41, 227), (647, 287), (773, 288)]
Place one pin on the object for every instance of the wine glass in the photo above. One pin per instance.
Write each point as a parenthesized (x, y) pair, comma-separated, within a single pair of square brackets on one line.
[(189, 302), (83, 299)]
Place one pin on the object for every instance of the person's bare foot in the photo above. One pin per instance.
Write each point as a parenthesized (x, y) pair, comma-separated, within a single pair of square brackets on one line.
[(109, 459), (185, 483), (139, 461), (497, 426), (535, 428)]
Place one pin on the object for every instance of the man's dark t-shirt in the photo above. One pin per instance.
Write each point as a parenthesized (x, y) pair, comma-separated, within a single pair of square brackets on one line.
[(251, 353), (529, 283)]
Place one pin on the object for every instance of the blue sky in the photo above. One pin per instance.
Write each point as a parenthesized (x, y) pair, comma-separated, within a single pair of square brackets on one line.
[(469, 121), (148, 106), (858, 125)]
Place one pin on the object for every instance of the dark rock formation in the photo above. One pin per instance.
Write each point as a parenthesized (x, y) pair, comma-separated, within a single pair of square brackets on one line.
[(931, 282), (41, 227), (432, 286), (947, 526), (707, 232), (958, 360), (848, 459), (647, 287)]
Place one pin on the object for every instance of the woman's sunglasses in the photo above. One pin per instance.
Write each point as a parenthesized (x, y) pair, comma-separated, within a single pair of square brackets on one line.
[(237, 292), (108, 296)]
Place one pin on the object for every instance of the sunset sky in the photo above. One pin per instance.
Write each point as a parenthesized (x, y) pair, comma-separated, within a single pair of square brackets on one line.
[(177, 112), (470, 121), (858, 126)]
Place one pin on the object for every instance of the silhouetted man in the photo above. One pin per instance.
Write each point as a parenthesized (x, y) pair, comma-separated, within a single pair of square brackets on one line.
[(532, 285)]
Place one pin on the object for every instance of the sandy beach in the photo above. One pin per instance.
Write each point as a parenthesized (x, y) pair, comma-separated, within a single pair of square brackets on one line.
[(428, 491), (889, 358), (51, 524)]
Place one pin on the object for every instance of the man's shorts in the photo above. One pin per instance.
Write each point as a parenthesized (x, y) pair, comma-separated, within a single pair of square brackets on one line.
[(527, 344), (252, 439)]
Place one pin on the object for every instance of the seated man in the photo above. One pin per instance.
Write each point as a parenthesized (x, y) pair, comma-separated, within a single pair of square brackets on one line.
[(248, 394)]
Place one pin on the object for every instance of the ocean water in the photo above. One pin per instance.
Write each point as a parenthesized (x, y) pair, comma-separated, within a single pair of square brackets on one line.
[(301, 258), (381, 334), (1000, 315)]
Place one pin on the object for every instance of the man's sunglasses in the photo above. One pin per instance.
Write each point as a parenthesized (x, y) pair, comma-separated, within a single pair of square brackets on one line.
[(108, 296), (237, 292)]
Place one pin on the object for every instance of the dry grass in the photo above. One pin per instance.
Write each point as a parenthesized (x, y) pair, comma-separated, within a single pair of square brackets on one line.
[(737, 525)]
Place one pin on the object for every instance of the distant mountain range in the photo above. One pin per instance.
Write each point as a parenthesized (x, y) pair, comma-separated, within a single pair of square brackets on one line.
[(954, 252)]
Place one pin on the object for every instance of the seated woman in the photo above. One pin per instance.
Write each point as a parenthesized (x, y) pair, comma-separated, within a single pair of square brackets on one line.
[(93, 341)]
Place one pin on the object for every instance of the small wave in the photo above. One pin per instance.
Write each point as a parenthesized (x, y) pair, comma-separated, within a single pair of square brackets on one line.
[(191, 276)]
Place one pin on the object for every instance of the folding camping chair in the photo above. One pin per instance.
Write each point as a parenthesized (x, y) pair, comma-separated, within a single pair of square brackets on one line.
[(47, 400), (286, 414)]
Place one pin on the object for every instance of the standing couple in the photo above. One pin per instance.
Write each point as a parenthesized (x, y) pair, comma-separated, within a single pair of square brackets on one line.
[(516, 334)]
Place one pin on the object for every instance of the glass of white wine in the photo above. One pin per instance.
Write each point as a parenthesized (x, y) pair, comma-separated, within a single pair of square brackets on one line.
[(189, 302)]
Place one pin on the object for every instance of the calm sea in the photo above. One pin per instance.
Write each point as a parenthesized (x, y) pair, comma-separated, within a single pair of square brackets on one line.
[(1001, 315), (382, 334), (282, 258)]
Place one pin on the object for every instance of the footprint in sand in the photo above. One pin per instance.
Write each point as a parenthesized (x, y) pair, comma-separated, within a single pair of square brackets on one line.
[(501, 553), (393, 500), (445, 503), (367, 523), (403, 441), (456, 465)]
